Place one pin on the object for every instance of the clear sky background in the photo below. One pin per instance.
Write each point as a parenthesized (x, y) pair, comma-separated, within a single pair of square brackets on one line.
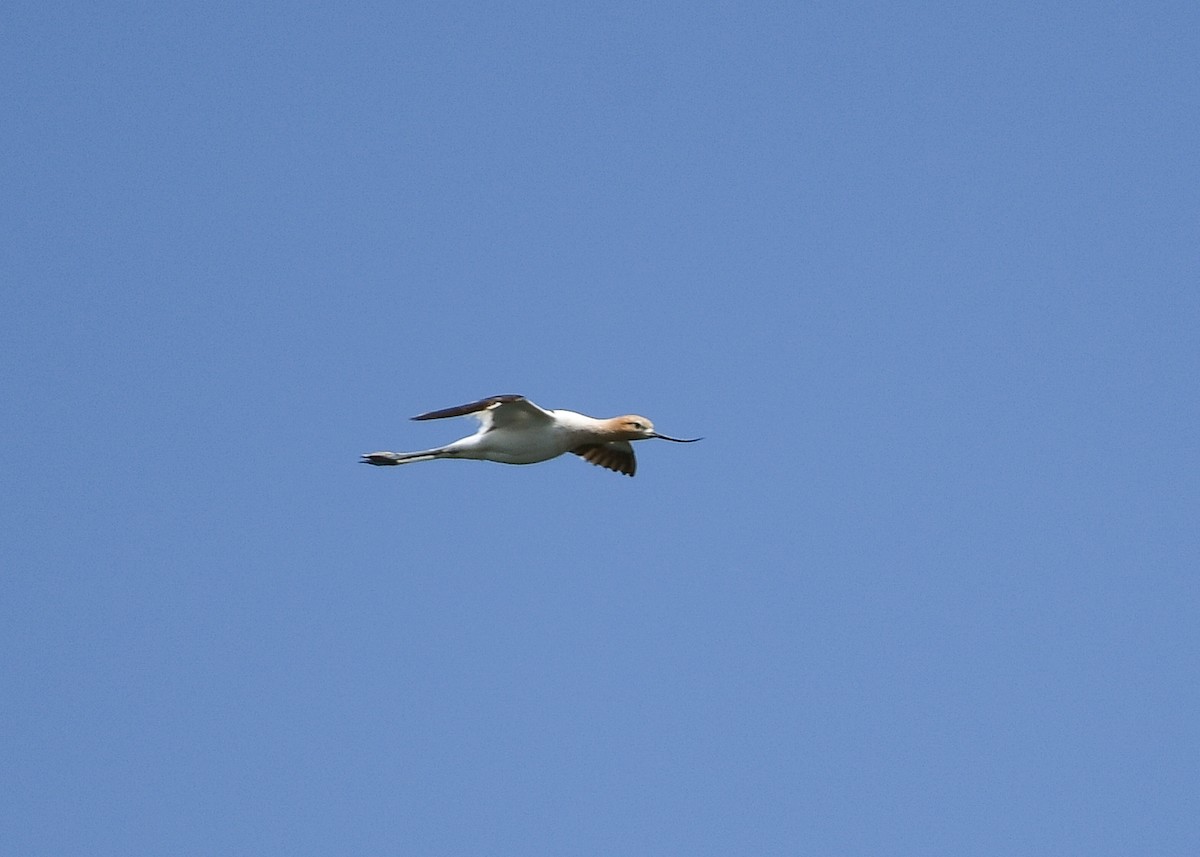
[(926, 277)]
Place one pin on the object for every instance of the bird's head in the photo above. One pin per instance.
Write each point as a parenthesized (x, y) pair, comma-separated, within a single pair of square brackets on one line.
[(634, 427)]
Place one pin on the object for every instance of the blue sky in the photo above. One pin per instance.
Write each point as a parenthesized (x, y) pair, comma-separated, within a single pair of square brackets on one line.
[(925, 277)]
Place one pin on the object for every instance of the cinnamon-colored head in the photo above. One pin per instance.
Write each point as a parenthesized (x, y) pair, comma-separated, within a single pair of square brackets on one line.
[(633, 427)]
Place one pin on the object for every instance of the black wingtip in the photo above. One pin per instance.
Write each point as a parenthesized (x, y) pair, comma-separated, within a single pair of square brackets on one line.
[(469, 408)]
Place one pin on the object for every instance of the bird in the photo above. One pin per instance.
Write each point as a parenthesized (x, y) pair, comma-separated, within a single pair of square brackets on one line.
[(513, 430)]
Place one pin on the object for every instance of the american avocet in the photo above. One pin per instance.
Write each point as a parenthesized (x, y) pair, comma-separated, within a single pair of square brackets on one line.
[(514, 430)]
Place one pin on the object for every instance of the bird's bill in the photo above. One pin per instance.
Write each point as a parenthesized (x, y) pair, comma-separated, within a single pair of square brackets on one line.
[(676, 439)]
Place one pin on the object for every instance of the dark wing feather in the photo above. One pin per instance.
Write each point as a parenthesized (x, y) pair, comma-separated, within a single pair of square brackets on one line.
[(616, 455), (473, 407)]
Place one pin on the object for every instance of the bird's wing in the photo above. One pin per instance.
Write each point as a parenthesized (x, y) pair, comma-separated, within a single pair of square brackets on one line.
[(508, 410), (616, 455)]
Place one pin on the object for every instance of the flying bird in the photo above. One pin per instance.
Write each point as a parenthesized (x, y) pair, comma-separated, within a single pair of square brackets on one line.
[(513, 430)]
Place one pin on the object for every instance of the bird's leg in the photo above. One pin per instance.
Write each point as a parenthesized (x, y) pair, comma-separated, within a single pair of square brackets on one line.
[(384, 459)]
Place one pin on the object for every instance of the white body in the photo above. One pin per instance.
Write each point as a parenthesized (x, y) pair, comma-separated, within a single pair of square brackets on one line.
[(527, 441)]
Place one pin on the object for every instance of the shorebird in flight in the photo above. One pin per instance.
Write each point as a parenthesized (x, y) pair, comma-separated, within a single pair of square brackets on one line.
[(513, 430)]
